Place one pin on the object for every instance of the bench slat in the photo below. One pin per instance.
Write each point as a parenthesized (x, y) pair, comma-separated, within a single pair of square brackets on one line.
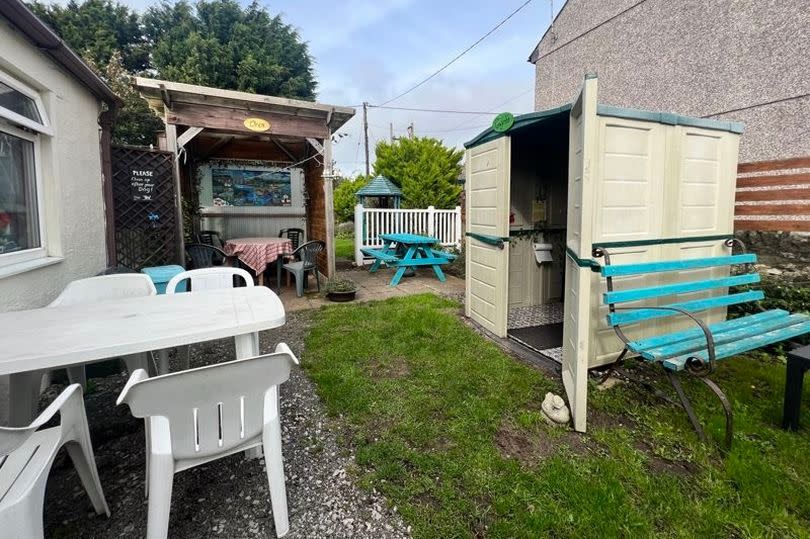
[(743, 345), (676, 265), (637, 315), (672, 338), (621, 296), (743, 330), (381, 255), (445, 254)]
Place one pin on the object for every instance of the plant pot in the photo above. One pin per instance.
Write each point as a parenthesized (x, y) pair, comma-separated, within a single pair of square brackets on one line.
[(341, 297)]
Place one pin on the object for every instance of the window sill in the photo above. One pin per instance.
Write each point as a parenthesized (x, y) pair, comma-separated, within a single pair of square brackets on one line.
[(28, 265)]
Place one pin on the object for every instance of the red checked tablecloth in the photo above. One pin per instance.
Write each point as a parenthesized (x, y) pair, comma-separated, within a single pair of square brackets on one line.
[(257, 253)]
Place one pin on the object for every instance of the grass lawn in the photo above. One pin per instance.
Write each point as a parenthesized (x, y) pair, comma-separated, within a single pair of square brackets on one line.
[(344, 247), (449, 428)]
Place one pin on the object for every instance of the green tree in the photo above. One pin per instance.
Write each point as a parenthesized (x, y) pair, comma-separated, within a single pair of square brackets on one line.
[(218, 43), (425, 170), (96, 29), (345, 197), (135, 123)]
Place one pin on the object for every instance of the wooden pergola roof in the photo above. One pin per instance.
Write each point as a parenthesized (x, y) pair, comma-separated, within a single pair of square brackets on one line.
[(231, 111)]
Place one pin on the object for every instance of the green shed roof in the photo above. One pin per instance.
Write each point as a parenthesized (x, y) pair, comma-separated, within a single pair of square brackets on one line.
[(526, 120), (380, 186)]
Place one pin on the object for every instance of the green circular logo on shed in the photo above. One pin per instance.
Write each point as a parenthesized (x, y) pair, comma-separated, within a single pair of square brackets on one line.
[(503, 122)]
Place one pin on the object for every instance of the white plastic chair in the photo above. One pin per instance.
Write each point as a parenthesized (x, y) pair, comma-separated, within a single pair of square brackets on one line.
[(203, 414), (103, 288), (26, 456), (215, 278)]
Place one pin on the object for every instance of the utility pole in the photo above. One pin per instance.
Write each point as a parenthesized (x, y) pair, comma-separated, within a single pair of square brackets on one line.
[(410, 130), (365, 133), (391, 131)]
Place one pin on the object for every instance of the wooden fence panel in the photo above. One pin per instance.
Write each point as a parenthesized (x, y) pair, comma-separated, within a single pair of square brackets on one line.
[(773, 195)]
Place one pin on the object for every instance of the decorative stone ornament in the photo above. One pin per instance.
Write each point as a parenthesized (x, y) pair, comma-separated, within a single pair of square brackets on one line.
[(555, 409)]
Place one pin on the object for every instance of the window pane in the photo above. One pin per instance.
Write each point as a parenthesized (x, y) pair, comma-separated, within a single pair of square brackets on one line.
[(18, 102), (19, 222)]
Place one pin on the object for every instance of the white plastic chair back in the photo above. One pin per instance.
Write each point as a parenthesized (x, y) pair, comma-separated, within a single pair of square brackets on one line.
[(209, 279), (25, 466), (105, 287), (210, 409)]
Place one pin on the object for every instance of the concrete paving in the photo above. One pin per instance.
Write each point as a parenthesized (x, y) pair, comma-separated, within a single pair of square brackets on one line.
[(375, 286)]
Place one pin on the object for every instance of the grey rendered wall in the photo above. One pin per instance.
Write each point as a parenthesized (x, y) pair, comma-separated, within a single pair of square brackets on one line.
[(692, 57), (71, 170)]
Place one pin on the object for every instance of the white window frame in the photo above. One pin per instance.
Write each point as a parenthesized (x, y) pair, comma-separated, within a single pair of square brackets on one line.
[(44, 127), (7, 259)]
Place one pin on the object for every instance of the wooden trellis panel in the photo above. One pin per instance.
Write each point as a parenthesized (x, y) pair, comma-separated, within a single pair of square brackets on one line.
[(146, 228)]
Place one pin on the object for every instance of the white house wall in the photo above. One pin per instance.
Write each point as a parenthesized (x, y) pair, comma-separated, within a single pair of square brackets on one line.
[(72, 179)]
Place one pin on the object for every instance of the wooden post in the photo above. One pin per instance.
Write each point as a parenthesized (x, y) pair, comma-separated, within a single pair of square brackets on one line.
[(431, 220), (365, 133), (359, 228), (171, 145), (329, 208)]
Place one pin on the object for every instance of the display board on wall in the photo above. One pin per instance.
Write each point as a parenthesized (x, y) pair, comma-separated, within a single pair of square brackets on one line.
[(237, 186)]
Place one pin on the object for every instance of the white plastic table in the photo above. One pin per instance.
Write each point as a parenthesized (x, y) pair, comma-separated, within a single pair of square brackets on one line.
[(57, 337)]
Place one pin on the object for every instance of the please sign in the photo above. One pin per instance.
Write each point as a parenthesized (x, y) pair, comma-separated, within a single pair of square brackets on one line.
[(142, 184)]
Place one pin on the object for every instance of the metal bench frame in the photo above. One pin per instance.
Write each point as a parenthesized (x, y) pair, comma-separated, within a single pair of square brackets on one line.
[(694, 365)]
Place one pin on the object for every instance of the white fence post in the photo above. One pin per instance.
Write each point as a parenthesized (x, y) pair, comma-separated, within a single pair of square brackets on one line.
[(458, 233), (359, 233), (431, 221)]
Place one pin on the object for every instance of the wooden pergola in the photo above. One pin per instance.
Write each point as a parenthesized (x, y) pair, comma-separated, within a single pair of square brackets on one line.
[(203, 123)]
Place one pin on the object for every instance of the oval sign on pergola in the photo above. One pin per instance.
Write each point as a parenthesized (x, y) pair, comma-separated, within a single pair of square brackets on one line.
[(381, 188)]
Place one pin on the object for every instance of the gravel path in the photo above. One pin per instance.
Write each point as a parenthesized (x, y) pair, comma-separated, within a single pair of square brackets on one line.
[(229, 497)]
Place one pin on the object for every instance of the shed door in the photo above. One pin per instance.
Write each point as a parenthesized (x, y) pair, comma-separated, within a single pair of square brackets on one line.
[(583, 137), (488, 215)]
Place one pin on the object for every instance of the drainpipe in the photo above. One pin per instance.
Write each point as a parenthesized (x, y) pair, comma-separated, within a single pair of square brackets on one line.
[(105, 121)]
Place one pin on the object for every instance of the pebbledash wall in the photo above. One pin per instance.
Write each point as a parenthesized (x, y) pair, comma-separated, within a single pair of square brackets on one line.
[(70, 162), (724, 59)]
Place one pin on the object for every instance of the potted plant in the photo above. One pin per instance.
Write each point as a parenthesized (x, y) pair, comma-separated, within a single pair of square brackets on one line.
[(340, 289)]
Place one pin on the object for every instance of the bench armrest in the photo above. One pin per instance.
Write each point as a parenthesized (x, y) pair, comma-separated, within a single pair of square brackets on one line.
[(690, 364)]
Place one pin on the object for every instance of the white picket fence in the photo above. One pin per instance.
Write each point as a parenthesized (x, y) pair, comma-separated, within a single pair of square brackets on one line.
[(370, 223)]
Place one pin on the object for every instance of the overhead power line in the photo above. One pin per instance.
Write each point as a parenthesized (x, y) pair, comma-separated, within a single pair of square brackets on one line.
[(443, 111), (462, 53)]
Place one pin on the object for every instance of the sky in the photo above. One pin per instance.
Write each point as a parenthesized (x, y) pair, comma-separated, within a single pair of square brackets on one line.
[(372, 50)]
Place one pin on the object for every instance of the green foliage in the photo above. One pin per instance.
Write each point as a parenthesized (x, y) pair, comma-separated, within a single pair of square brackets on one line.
[(447, 426), (135, 123), (425, 170), (214, 43), (340, 284), (96, 29), (217, 43), (345, 197)]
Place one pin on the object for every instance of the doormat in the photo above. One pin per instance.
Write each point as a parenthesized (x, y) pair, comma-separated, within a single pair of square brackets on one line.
[(545, 339)]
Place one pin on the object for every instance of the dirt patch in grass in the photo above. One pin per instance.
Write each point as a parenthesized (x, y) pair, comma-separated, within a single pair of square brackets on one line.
[(659, 465), (394, 368), (530, 446)]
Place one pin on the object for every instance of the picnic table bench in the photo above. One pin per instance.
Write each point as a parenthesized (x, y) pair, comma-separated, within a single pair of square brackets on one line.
[(695, 350), (403, 251)]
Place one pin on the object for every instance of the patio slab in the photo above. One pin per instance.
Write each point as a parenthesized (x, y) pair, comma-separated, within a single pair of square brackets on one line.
[(375, 286)]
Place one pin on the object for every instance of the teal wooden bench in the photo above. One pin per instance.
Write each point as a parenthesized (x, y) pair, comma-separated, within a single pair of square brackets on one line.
[(695, 350)]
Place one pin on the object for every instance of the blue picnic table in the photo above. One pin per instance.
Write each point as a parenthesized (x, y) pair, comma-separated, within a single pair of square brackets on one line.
[(403, 251)]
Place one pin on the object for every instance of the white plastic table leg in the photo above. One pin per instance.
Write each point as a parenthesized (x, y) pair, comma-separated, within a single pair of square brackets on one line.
[(23, 394), (247, 345), (163, 361)]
